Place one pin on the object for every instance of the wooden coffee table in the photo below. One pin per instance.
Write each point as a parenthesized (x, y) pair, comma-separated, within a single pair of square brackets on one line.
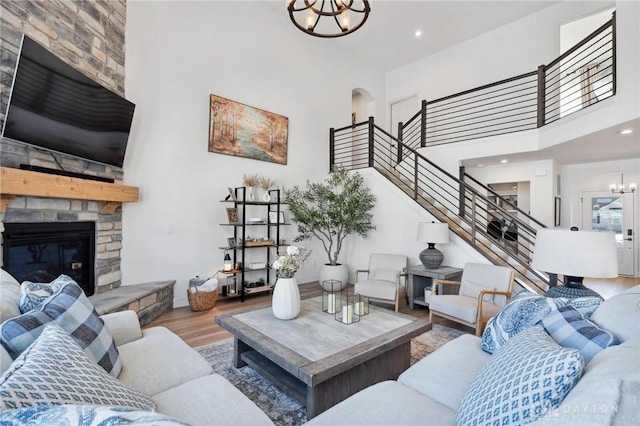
[(318, 360)]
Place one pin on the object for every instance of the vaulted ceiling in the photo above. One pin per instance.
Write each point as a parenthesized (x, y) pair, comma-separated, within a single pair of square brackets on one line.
[(388, 41)]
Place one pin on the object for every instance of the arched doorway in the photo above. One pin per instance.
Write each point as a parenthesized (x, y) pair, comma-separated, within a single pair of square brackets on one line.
[(362, 107)]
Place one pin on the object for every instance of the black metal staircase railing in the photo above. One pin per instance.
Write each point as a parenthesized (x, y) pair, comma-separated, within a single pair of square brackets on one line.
[(579, 78), (466, 209), (582, 76)]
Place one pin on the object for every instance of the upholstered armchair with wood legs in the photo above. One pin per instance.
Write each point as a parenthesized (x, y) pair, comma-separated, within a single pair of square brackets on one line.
[(484, 290), (385, 280)]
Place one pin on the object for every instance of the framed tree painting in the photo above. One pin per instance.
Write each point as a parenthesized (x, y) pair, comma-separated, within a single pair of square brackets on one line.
[(246, 131)]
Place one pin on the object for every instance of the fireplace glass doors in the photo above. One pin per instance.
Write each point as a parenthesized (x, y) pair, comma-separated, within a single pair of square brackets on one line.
[(40, 252)]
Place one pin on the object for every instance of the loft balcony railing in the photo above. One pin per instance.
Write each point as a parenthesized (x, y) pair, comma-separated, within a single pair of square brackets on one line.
[(579, 78)]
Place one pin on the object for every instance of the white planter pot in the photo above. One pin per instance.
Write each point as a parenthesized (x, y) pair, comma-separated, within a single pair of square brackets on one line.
[(286, 299), (334, 272)]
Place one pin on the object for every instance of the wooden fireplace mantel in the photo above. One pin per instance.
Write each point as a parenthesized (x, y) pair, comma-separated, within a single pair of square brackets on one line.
[(18, 182)]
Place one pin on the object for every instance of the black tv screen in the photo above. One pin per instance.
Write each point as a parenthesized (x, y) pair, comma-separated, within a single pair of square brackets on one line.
[(54, 106)]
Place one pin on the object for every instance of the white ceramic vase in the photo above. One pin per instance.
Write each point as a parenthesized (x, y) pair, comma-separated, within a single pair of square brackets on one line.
[(337, 272), (286, 299)]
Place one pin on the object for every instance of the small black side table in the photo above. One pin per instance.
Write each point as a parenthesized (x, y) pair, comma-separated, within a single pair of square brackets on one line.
[(421, 278)]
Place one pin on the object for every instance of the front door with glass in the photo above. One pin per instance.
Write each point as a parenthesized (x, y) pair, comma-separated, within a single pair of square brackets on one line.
[(613, 213)]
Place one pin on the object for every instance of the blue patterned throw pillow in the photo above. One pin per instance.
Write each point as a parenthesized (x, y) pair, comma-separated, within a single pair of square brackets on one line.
[(571, 329), (86, 415), (530, 375), (71, 310), (33, 294), (55, 370), (524, 311), (519, 314)]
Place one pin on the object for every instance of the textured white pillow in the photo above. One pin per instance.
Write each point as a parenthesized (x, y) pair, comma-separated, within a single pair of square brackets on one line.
[(526, 378), (55, 370)]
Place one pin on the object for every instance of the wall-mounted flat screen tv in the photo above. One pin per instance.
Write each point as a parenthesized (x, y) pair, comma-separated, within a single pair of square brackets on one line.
[(54, 106)]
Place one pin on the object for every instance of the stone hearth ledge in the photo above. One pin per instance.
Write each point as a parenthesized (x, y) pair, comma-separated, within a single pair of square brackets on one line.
[(148, 300)]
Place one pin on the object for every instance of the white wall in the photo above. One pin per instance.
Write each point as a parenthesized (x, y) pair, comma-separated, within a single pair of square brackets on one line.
[(177, 53)]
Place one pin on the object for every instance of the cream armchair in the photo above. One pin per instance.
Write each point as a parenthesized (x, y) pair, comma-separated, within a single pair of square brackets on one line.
[(484, 290), (386, 278)]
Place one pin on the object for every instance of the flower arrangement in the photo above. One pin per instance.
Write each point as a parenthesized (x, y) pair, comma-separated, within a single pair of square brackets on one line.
[(287, 265)]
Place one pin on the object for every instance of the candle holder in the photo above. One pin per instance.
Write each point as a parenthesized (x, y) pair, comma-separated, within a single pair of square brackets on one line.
[(360, 305), (345, 308), (232, 285), (330, 295)]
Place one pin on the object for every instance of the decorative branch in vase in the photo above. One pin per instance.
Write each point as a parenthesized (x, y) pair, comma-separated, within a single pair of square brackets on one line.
[(266, 183), (250, 181)]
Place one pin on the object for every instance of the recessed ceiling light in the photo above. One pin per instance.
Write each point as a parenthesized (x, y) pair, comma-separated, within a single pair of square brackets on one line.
[(418, 33), (480, 165), (504, 161), (626, 131)]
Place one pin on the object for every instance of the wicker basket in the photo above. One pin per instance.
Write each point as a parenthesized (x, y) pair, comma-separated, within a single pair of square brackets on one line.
[(202, 300)]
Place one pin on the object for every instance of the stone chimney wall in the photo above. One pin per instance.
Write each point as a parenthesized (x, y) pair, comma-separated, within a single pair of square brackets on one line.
[(90, 36)]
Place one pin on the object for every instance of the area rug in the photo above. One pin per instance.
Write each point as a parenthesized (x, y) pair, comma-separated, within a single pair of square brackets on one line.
[(282, 409)]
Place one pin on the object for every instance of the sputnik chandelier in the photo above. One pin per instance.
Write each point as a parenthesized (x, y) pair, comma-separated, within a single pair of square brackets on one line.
[(328, 18)]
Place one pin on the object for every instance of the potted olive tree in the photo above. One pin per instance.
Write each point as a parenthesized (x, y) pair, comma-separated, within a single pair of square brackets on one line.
[(330, 211)]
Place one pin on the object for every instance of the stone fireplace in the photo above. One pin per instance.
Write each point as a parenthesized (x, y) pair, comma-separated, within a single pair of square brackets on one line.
[(33, 207), (86, 217)]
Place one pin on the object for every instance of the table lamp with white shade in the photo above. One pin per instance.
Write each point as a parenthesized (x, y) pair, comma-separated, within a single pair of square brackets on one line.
[(575, 254), (432, 233)]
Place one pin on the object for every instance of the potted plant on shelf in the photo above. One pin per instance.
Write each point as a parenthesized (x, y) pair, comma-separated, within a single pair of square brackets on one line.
[(332, 210)]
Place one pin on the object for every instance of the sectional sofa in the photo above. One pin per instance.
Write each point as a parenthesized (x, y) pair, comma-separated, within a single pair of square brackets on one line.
[(462, 384), (159, 370)]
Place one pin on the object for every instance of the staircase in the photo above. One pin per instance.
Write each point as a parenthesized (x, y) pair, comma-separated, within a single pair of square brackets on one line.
[(579, 78), (464, 206)]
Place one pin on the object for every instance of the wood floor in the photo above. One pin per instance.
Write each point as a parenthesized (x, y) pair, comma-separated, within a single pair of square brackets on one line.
[(199, 328)]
